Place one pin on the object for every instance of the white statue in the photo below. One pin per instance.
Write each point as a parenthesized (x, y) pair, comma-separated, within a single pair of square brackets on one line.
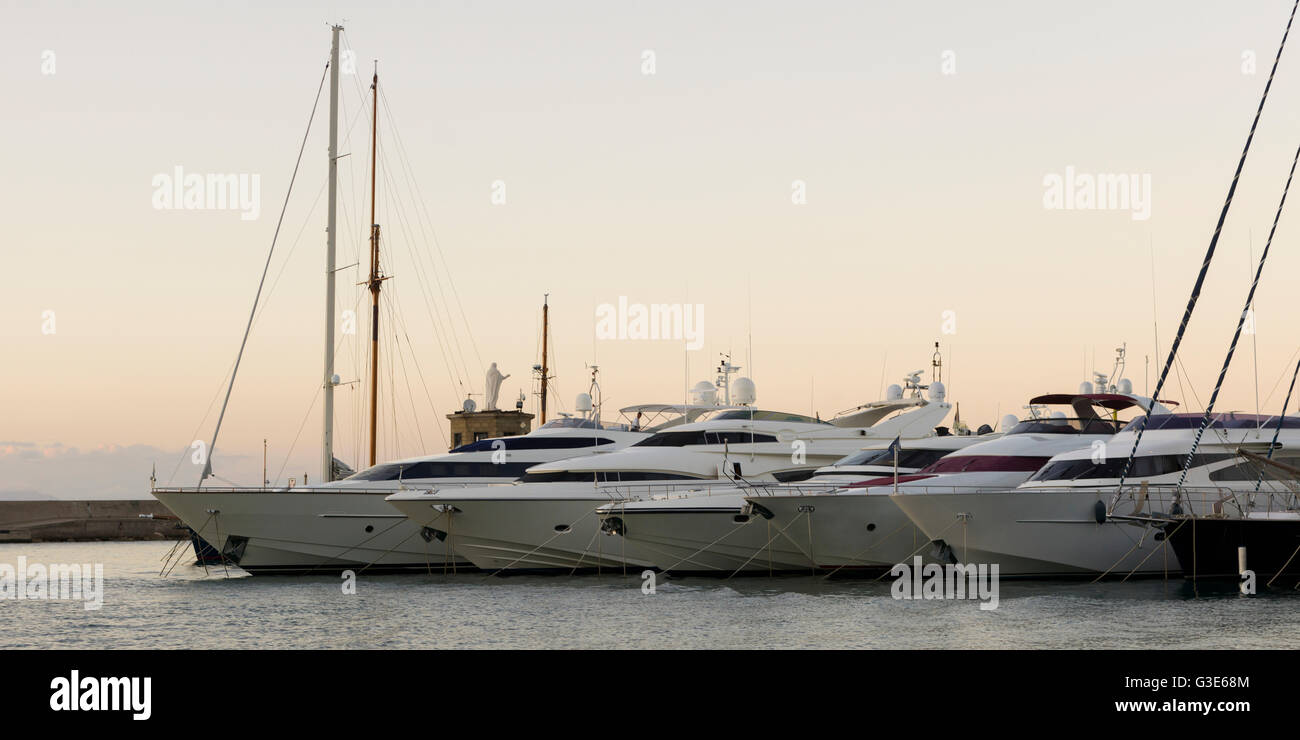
[(493, 387)]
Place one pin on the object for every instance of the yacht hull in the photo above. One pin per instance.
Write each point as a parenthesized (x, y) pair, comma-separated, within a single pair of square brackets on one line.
[(526, 535), (309, 532), (843, 534), (1040, 534), (720, 539), (850, 533)]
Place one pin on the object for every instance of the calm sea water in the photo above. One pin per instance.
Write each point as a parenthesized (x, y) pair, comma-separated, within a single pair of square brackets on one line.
[(191, 609)]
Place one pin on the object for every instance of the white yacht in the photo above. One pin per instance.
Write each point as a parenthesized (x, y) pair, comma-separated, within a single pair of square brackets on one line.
[(728, 530), (548, 520), (859, 529), (346, 523), (1071, 518)]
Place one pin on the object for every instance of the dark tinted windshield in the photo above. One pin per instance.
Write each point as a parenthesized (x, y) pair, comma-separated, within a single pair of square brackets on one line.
[(543, 442), (1220, 421), (906, 458), (701, 437), (760, 415), (1066, 426), (430, 469), (1143, 467)]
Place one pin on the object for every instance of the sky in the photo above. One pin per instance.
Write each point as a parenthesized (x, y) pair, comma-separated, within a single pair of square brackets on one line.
[(831, 187)]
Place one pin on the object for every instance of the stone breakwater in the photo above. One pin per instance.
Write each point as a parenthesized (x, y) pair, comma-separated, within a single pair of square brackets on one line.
[(65, 521)]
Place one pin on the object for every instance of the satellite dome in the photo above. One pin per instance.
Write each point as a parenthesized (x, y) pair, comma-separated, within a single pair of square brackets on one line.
[(1125, 386), (1009, 421), (894, 392), (583, 403), (705, 393), (1085, 387), (937, 391), (469, 406), (743, 392)]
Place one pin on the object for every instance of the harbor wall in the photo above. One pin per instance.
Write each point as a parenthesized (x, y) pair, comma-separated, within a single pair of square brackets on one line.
[(65, 521)]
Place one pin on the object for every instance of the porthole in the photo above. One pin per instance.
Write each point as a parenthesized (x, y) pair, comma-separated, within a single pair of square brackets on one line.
[(370, 528), (740, 518), (562, 528), (871, 526)]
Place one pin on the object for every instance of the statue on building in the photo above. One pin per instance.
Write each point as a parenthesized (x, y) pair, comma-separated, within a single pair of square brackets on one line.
[(492, 387)]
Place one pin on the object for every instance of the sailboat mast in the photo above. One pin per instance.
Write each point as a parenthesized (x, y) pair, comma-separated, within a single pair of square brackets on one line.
[(376, 279), (327, 441), (545, 368)]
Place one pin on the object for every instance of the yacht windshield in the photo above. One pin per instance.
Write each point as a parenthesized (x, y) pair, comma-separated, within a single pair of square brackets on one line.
[(570, 422), (759, 415), (702, 437), (1220, 421), (1064, 425), (906, 458), (542, 442), (430, 469)]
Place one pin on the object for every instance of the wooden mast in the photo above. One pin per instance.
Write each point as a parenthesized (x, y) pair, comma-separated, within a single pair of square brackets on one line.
[(376, 278), (545, 368)]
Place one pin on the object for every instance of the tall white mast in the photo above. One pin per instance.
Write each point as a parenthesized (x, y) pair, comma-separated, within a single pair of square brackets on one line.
[(327, 442)]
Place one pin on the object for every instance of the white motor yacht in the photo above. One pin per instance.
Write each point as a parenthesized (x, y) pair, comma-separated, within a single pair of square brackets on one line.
[(548, 520), (1071, 519), (729, 530), (346, 523)]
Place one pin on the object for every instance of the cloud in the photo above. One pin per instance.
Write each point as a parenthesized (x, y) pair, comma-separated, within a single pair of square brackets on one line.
[(30, 470)]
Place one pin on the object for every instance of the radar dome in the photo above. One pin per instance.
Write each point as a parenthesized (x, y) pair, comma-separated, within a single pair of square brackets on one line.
[(583, 403), (743, 392), (894, 392), (704, 393), (1009, 421), (937, 391), (1085, 387), (1058, 417), (1125, 386)]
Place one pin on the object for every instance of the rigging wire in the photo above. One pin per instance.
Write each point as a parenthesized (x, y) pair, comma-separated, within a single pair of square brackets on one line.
[(207, 465), (1278, 429), (1241, 320), (1205, 264)]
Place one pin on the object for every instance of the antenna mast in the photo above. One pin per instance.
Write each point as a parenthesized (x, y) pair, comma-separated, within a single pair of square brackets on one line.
[(545, 367)]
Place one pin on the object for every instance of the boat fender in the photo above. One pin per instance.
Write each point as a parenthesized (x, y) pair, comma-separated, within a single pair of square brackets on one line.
[(1099, 512)]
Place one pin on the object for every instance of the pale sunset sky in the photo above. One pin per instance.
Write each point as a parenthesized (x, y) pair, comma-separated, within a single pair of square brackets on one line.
[(651, 151)]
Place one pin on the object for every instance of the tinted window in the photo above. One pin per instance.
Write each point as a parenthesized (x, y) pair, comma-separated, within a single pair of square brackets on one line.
[(612, 476), (533, 443), (759, 415), (1220, 421), (1143, 467), (701, 437), (906, 458), (986, 463), (1066, 426), (430, 469)]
